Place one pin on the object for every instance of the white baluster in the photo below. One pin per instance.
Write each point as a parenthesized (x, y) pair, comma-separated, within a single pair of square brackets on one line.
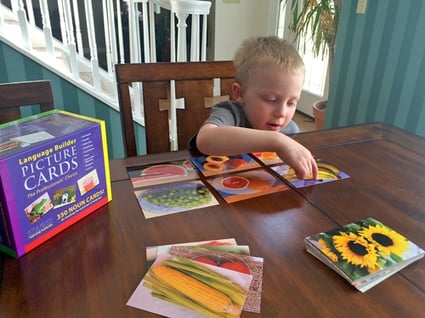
[(120, 33), (70, 40), (92, 44), (15, 5), (152, 36), (146, 49), (204, 38), (135, 57), (47, 28), (109, 29), (30, 12), (23, 24), (62, 20), (134, 31), (80, 45), (172, 38), (110, 39), (194, 39), (181, 36), (112, 47)]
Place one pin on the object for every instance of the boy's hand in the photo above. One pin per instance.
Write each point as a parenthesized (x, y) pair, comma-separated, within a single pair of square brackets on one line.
[(299, 158)]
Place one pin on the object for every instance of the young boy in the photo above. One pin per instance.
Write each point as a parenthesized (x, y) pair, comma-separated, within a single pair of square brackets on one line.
[(268, 83)]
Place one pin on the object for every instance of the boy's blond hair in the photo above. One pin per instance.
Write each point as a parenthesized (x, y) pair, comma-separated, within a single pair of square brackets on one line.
[(265, 50)]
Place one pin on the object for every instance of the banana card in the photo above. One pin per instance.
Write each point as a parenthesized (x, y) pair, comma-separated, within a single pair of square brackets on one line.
[(327, 173)]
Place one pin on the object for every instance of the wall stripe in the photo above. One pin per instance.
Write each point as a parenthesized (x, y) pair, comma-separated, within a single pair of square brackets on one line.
[(379, 66), (416, 115), (366, 83)]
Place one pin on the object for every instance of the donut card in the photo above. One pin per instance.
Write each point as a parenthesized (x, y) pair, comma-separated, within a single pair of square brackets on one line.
[(214, 165)]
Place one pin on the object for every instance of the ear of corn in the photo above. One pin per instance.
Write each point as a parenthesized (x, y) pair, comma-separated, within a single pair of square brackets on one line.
[(164, 292), (200, 272), (201, 293)]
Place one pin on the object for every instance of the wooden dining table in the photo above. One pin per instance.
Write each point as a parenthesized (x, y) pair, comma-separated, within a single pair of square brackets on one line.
[(92, 268)]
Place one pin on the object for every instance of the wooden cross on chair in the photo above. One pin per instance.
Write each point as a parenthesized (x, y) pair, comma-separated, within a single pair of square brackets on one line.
[(193, 81), (171, 104)]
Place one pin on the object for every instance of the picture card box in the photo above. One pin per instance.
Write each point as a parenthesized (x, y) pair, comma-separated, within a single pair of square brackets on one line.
[(54, 170)]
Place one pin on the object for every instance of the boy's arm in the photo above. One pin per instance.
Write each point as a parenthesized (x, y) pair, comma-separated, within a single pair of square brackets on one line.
[(230, 140)]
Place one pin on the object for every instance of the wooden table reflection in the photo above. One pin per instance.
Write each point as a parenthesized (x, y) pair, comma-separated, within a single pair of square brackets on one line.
[(92, 268)]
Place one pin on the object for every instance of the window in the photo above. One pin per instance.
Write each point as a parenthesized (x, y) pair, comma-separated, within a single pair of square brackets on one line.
[(316, 67)]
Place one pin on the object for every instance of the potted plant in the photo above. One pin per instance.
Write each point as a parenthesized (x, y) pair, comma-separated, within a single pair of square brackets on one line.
[(317, 20)]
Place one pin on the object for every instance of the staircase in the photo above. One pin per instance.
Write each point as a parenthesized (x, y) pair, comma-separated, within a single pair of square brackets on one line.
[(20, 30), (81, 41)]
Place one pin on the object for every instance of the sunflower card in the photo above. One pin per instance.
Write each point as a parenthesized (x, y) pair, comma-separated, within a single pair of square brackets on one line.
[(365, 253)]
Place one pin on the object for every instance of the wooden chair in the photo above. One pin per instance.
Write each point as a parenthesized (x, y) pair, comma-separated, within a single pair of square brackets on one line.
[(30, 93), (193, 82)]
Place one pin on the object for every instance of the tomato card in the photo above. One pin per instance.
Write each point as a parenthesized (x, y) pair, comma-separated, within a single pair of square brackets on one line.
[(246, 184)]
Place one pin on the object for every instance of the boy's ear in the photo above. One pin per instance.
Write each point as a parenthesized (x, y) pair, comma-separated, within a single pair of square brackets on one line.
[(237, 92)]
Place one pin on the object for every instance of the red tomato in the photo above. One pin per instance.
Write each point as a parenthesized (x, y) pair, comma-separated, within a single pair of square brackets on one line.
[(235, 182), (236, 266), (205, 260)]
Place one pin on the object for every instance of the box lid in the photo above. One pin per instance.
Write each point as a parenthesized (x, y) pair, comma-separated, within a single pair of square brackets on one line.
[(23, 134)]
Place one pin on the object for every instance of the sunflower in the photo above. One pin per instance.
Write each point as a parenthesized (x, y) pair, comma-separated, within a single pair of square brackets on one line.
[(356, 250), (387, 241), (327, 251)]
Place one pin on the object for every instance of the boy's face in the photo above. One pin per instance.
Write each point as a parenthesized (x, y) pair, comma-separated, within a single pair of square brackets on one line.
[(270, 96)]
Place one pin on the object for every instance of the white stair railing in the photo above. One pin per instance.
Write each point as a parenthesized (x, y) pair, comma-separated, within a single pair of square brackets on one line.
[(182, 9), (66, 54), (103, 20)]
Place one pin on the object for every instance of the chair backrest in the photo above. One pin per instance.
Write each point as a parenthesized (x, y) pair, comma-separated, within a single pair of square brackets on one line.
[(196, 82), (30, 93)]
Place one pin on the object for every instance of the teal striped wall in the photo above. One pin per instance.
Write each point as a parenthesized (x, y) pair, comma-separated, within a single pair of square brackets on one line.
[(379, 70), (16, 67)]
